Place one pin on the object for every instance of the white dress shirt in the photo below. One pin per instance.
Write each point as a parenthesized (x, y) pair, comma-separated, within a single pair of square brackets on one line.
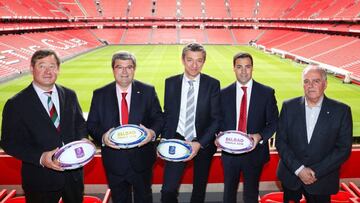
[(119, 97), (44, 98), (239, 95), (184, 90)]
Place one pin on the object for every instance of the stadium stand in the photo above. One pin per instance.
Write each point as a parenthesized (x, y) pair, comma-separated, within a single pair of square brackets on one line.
[(165, 8), (245, 36), (242, 8), (191, 8), (89, 7), (191, 35), (219, 36), (137, 36), (112, 8), (216, 9), (141, 8), (164, 36), (109, 36)]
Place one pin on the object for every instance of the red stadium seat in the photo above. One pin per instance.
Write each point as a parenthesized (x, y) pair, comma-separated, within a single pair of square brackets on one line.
[(341, 197), (20, 199), (10, 195), (3, 193), (355, 188), (275, 197)]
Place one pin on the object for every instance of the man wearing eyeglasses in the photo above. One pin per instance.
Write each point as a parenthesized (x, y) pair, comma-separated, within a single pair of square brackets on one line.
[(126, 101)]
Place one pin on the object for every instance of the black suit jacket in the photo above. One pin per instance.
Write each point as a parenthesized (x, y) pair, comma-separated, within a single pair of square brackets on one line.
[(207, 109), (329, 147), (104, 114), (262, 117), (27, 132)]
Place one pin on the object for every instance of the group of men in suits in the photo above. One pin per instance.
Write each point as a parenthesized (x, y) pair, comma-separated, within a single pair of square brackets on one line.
[(313, 132)]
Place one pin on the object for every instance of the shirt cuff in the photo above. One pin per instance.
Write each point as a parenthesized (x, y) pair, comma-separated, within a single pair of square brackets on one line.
[(299, 169)]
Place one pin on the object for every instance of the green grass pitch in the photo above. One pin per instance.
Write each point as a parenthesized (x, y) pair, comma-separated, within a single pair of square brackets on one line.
[(157, 62)]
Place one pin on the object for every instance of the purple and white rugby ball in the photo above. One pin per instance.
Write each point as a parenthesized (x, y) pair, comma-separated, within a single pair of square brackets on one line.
[(235, 142), (174, 150), (75, 154), (127, 136)]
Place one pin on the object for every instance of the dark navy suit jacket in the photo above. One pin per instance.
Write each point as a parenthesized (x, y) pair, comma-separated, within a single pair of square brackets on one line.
[(27, 132), (262, 118), (207, 109), (145, 109), (329, 147)]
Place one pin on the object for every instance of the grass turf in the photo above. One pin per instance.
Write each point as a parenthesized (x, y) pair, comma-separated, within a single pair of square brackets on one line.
[(157, 62)]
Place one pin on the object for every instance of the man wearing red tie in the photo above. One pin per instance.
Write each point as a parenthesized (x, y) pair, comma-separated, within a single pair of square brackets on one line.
[(250, 107), (36, 122), (126, 101)]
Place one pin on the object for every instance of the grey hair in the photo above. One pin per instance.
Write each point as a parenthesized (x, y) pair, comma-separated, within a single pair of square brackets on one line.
[(123, 55), (315, 68)]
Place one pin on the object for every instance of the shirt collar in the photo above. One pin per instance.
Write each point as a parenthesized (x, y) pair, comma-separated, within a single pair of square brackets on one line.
[(318, 104), (196, 79), (118, 88), (248, 84), (40, 91)]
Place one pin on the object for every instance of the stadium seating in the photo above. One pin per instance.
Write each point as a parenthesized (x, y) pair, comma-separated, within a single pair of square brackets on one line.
[(164, 36), (11, 198), (216, 9), (111, 36), (112, 8), (165, 8), (219, 36), (191, 8), (242, 8), (140, 8)]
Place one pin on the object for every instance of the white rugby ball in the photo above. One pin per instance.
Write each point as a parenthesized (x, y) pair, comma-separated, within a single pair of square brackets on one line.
[(174, 150), (127, 136), (75, 154), (235, 142)]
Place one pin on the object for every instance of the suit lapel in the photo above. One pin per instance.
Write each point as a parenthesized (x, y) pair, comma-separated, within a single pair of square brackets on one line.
[(38, 108), (177, 94), (114, 105), (252, 105), (302, 120), (232, 103), (201, 94), (134, 105), (61, 95)]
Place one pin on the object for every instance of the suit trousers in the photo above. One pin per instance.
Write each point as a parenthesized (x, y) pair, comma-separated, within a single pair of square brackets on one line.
[(296, 195), (136, 183), (234, 165), (72, 192), (173, 173)]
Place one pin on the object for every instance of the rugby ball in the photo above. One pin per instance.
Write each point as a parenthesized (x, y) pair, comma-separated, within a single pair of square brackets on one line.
[(75, 154), (174, 150), (235, 142), (127, 136)]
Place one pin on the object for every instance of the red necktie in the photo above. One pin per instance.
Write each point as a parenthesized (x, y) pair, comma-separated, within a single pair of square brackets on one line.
[(243, 111), (124, 109)]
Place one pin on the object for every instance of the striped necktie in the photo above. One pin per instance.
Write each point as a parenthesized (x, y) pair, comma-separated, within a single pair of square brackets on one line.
[(52, 111), (189, 133)]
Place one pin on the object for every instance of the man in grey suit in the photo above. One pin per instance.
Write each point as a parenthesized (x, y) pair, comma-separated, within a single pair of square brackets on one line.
[(314, 139)]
